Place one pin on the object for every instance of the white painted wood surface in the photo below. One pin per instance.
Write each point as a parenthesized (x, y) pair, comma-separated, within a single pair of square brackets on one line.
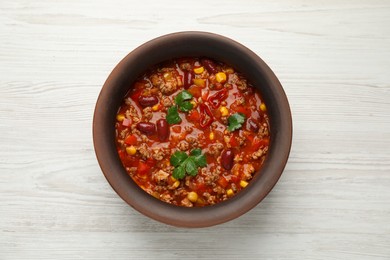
[(333, 59)]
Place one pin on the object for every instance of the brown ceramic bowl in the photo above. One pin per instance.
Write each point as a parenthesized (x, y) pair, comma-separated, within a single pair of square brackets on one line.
[(186, 44)]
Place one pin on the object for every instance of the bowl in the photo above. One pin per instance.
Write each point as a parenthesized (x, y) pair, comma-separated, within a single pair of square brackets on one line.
[(195, 44)]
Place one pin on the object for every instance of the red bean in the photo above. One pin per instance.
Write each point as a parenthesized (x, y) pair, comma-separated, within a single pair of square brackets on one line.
[(148, 101), (146, 128), (162, 129), (209, 65), (188, 77), (227, 159), (252, 125)]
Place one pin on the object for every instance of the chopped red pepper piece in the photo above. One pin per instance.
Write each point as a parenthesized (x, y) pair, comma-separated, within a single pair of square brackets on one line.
[(131, 140), (143, 168), (206, 117), (216, 99)]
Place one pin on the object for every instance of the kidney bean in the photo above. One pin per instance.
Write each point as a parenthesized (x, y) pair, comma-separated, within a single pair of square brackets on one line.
[(209, 65), (252, 125), (188, 77), (162, 129), (146, 128), (227, 159), (148, 101)]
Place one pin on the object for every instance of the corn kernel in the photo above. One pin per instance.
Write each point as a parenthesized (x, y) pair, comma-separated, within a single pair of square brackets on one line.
[(131, 150), (120, 117), (176, 184), (263, 107), (156, 107), (243, 184), (220, 77), (194, 104), (192, 196), (173, 179), (224, 111), (198, 70), (229, 192), (212, 136)]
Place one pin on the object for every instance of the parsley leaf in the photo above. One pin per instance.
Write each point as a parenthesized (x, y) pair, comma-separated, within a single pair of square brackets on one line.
[(179, 173), (186, 106), (196, 152), (178, 158), (191, 168), (185, 164), (200, 160), (183, 96), (235, 121), (181, 101), (173, 116)]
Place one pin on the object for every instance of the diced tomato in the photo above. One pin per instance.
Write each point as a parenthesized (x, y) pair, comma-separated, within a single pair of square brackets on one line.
[(176, 128), (233, 141), (193, 116), (143, 168), (244, 110), (234, 178), (257, 143), (135, 95), (223, 182), (196, 91), (131, 140)]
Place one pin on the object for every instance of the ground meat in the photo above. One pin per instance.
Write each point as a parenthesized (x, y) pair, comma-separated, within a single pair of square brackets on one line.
[(123, 133), (213, 175), (166, 101), (166, 197), (262, 151), (247, 171), (156, 79), (131, 170), (193, 142), (215, 149), (238, 158), (263, 131), (169, 86), (158, 154), (185, 66), (219, 190), (183, 145), (161, 177), (148, 113), (240, 101), (144, 151), (186, 203), (241, 85), (188, 129), (210, 199), (241, 140)]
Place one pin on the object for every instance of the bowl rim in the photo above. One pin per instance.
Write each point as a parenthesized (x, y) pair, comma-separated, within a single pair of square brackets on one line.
[(232, 208)]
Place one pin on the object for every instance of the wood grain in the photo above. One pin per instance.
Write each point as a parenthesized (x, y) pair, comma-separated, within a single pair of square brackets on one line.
[(333, 59)]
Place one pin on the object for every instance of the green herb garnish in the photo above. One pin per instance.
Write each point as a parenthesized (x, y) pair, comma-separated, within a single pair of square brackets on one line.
[(235, 121), (173, 116), (185, 164), (182, 102)]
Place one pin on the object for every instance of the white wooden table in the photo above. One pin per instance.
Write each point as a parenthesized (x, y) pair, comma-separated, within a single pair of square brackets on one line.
[(333, 59)]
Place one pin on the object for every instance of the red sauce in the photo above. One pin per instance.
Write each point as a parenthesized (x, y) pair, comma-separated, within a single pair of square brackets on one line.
[(222, 117)]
